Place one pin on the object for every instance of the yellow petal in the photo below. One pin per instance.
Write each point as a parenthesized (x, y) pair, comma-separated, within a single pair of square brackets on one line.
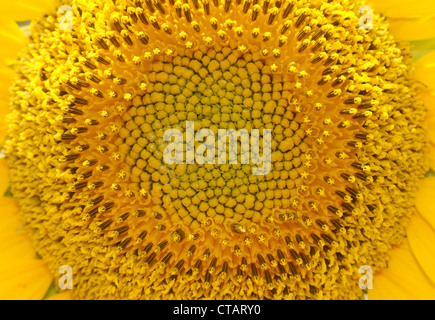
[(10, 223), (15, 245), (66, 295), (24, 279), (413, 28), (424, 200), (425, 72), (402, 280), (9, 219), (422, 47), (4, 177), (432, 155), (428, 97), (431, 129), (12, 40), (6, 76), (421, 239), (26, 9), (408, 21), (403, 8)]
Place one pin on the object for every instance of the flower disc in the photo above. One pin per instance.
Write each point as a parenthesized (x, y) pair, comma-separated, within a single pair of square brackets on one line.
[(86, 147)]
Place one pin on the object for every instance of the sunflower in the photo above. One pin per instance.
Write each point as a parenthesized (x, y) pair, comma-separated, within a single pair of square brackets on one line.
[(94, 88)]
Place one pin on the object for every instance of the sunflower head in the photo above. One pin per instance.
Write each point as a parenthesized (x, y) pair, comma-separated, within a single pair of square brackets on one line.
[(86, 147)]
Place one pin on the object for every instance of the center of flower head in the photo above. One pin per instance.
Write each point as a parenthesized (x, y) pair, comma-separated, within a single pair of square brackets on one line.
[(226, 93), (121, 155)]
